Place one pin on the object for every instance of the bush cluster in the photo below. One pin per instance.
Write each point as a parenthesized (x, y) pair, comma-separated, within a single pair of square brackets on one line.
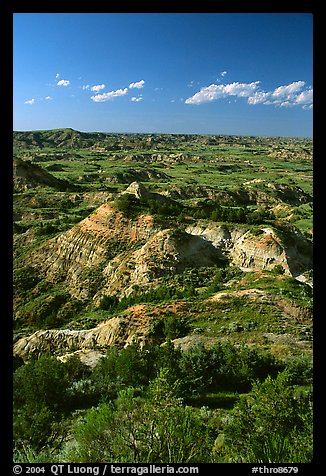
[(131, 206), (214, 211), (147, 406), (155, 295)]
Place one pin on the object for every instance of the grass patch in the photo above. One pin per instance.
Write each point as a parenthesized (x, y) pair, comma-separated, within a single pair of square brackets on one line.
[(221, 400)]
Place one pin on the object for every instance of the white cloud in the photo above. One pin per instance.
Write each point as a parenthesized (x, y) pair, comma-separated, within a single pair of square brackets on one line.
[(221, 75), (48, 98), (240, 89), (57, 76), (110, 95), (137, 85), (288, 91), (285, 104), (218, 91), (206, 94), (136, 99), (30, 101), (305, 97), (285, 96), (259, 97), (63, 82), (96, 88), (282, 96)]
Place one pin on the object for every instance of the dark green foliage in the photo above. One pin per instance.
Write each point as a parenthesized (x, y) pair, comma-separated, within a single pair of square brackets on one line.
[(47, 305), (25, 279), (272, 424), (45, 393), (145, 393), (213, 210), (44, 310), (300, 370), (68, 310), (19, 227), (158, 429), (121, 369), (159, 294), (222, 276), (170, 327), (17, 362), (164, 208), (127, 204), (225, 367), (278, 269), (41, 381), (132, 206), (109, 303), (296, 290), (75, 370), (40, 401)]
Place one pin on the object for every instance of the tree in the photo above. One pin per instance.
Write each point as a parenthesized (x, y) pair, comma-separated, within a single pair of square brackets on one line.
[(40, 401)]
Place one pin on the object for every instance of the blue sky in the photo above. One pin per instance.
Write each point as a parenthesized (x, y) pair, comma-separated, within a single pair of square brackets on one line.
[(202, 73)]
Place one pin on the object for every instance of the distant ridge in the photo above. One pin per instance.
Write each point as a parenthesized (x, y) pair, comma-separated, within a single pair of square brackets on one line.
[(69, 138), (66, 138)]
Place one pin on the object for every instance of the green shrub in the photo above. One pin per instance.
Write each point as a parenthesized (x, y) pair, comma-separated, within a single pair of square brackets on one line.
[(40, 401), (127, 204), (271, 424), (156, 429), (28, 454), (123, 368), (25, 279), (300, 369), (169, 327), (224, 367)]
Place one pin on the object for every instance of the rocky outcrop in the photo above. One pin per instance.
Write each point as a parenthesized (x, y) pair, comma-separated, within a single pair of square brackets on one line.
[(140, 192), (166, 252), (261, 250), (90, 245), (137, 189), (120, 331)]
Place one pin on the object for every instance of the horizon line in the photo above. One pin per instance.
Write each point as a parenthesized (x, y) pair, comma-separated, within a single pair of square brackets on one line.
[(165, 133)]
